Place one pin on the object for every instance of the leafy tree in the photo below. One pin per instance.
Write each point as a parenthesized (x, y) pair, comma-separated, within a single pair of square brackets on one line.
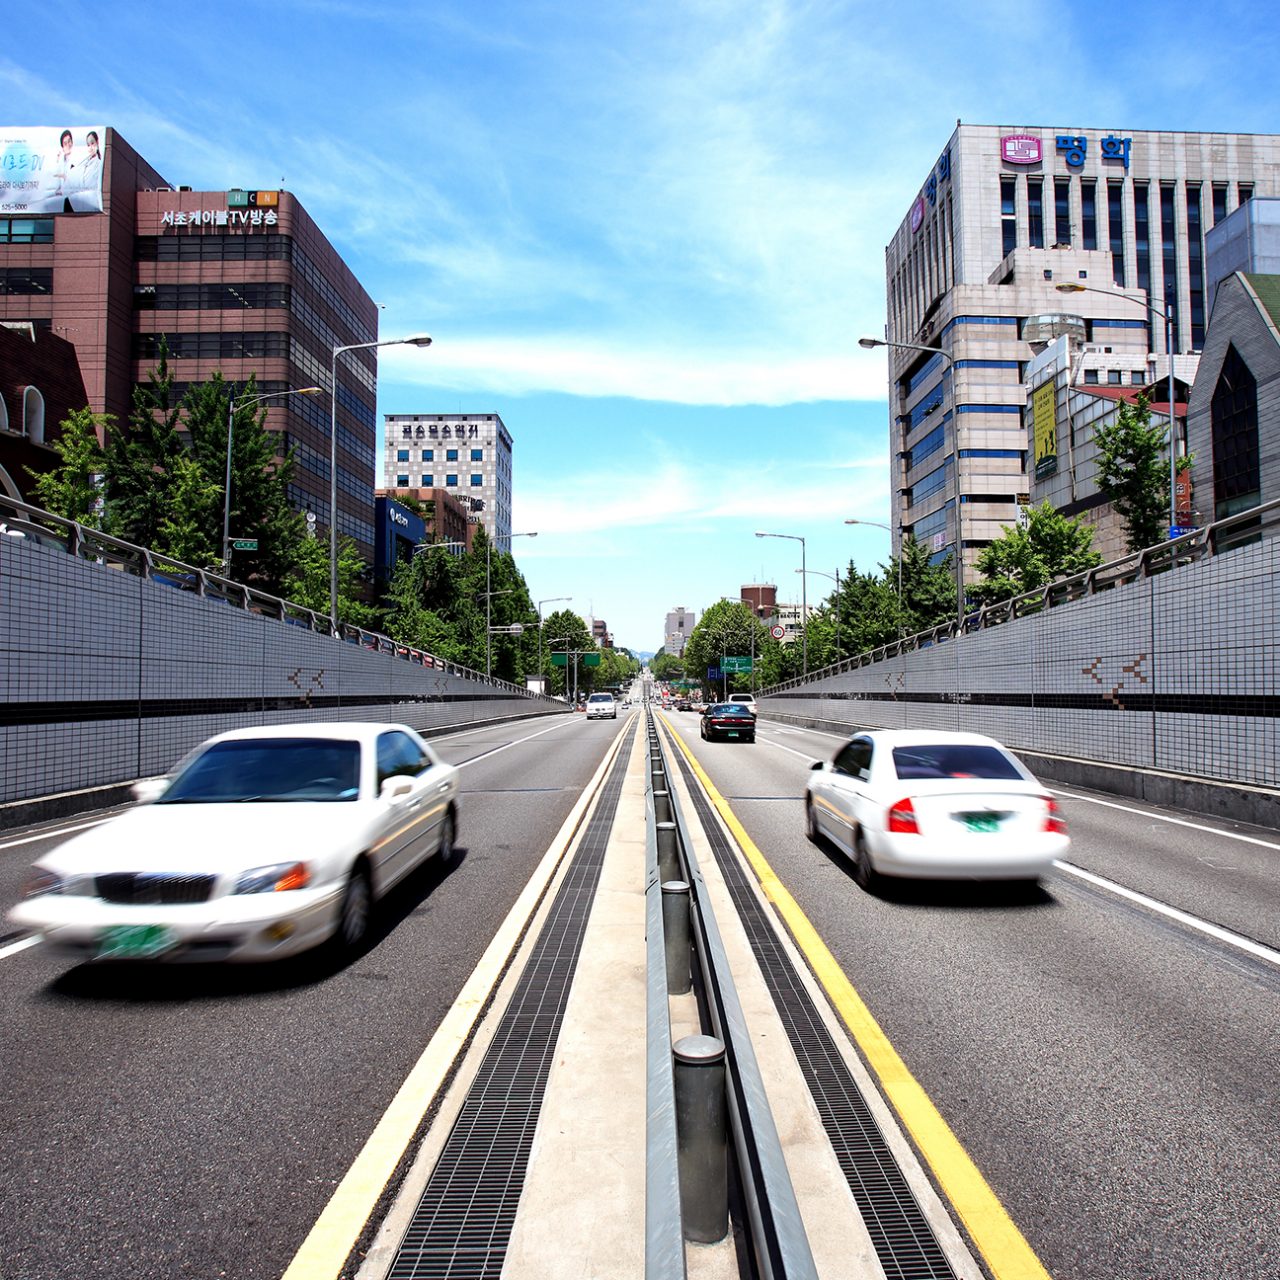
[(1133, 474), (74, 488), (309, 582), (191, 504), (666, 666), (928, 590), (1020, 560), (565, 630), (724, 630)]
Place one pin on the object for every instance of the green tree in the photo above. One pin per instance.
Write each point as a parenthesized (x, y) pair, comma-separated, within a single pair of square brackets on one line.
[(1133, 472), (724, 630), (74, 488), (192, 503), (928, 590), (1021, 560), (309, 581), (666, 666), (564, 631)]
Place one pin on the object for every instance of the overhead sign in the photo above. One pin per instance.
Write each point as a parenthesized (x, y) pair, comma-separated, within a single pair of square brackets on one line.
[(1044, 428), (51, 170), (735, 664)]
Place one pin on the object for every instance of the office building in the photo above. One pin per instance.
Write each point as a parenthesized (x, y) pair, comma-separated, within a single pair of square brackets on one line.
[(677, 630), (762, 598), (1005, 217), (117, 260), (468, 454)]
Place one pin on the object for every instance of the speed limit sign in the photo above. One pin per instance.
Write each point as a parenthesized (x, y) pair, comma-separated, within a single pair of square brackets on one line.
[(777, 632)]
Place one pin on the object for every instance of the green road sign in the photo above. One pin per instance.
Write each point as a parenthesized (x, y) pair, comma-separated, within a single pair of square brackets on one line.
[(590, 659), (245, 544), (559, 659), (735, 664)]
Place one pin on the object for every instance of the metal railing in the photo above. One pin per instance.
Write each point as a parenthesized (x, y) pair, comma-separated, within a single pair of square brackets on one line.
[(1200, 544), (20, 519)]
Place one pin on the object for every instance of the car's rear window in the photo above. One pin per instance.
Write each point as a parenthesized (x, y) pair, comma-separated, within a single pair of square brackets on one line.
[(600, 697), (954, 760), (731, 709), (269, 770)]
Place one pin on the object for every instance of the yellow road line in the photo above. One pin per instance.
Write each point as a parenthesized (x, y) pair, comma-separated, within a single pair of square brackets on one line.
[(330, 1241), (1001, 1244)]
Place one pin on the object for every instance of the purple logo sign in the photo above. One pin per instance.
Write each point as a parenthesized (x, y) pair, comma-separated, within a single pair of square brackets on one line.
[(1020, 148), (917, 214)]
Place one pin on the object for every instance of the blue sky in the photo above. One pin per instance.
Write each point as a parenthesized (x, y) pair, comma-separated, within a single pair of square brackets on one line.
[(649, 236)]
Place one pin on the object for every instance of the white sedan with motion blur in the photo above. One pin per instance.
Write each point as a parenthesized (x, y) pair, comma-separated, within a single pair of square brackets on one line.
[(930, 805), (263, 843)]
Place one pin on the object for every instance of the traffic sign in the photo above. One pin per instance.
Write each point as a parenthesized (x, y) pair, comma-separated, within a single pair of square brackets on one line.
[(735, 664), (713, 673), (590, 659), (245, 544), (777, 632), (559, 659), (1177, 530)]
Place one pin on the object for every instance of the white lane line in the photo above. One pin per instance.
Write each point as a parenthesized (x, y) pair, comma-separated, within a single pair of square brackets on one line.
[(1237, 940), (1177, 822), (53, 833), (804, 755), (506, 746), (21, 945)]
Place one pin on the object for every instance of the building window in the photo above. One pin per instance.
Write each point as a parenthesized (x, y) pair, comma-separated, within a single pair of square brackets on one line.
[(1245, 192), (1115, 377), (1091, 376), (1062, 211), (1234, 412), (1115, 230), (451, 455), (1138, 378), (428, 481), (1219, 204), (25, 281), (1195, 266), (477, 481), (428, 455), (1035, 213), (402, 455), (477, 455), (33, 415), (1169, 257), (451, 481), (1088, 215), (402, 482), (1008, 215), (1142, 236), (26, 230)]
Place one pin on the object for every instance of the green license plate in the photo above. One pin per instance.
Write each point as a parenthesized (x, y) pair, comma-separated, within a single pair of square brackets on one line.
[(135, 942), (981, 822), (733, 733)]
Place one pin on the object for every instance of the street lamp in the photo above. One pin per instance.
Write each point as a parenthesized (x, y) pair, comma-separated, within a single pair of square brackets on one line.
[(1167, 316), (416, 340), (870, 343), (822, 574), (804, 598), (489, 594), (548, 600), (232, 405), (889, 530)]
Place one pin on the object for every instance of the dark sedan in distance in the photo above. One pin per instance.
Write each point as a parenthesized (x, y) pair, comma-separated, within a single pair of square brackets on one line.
[(728, 720)]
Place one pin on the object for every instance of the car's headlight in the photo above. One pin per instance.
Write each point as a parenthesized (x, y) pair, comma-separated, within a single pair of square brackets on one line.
[(40, 881), (274, 879)]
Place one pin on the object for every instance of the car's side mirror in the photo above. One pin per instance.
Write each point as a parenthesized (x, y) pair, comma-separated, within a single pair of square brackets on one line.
[(146, 790), (395, 788), (817, 764)]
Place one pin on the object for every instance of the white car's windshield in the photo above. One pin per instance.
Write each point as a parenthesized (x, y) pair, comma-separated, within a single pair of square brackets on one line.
[(267, 770)]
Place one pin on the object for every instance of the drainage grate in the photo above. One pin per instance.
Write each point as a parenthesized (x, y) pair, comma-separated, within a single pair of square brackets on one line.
[(462, 1225), (903, 1240)]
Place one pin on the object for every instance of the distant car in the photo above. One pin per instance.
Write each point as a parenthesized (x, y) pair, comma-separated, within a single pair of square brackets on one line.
[(264, 843), (601, 706), (933, 805), (683, 704), (743, 699), (729, 720)]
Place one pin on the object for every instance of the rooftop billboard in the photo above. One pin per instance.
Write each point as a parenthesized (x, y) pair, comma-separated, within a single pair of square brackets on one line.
[(51, 170)]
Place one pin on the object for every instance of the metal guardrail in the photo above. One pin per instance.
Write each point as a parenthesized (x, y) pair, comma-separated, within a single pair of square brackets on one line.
[(1200, 544), (779, 1243), (20, 519)]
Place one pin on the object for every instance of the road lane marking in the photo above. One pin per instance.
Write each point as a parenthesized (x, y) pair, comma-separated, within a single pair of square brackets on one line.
[(54, 833), (506, 746), (993, 1232), (1177, 822), (14, 947), (1237, 940), (330, 1241)]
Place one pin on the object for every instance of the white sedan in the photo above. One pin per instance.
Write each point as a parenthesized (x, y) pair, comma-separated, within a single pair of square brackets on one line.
[(262, 843), (932, 805)]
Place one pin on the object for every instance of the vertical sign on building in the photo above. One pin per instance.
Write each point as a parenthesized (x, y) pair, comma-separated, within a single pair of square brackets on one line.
[(1044, 425)]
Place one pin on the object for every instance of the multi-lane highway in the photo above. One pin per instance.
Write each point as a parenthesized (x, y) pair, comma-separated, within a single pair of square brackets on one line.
[(1108, 1060)]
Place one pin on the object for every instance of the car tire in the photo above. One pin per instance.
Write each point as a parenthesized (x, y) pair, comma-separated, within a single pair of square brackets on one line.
[(811, 823), (865, 875), (355, 912), (448, 839)]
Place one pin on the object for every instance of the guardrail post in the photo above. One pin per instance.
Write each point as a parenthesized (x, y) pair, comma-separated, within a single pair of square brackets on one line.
[(675, 933), (702, 1138), (668, 862)]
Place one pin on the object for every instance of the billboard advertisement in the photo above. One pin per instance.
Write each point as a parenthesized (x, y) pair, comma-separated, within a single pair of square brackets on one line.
[(51, 170), (1044, 421)]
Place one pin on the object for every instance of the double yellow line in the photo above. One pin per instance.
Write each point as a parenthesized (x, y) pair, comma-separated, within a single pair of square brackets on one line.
[(993, 1232)]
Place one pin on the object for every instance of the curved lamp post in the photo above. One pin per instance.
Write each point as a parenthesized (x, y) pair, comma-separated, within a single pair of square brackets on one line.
[(870, 344), (889, 530), (489, 594), (548, 600), (233, 404), (417, 340), (804, 598), (1167, 316), (836, 577)]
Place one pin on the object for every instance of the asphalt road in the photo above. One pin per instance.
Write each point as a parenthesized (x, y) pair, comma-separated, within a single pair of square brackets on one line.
[(1112, 1071), (169, 1122)]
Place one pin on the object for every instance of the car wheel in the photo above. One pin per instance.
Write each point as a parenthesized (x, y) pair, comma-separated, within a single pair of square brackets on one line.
[(448, 839), (811, 822), (864, 874), (354, 912)]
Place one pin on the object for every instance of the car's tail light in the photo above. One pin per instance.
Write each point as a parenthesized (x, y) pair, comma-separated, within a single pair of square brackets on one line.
[(1054, 822), (902, 818)]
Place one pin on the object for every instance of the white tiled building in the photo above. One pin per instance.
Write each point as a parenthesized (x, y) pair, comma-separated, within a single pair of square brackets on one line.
[(466, 453), (677, 630), (1006, 215)]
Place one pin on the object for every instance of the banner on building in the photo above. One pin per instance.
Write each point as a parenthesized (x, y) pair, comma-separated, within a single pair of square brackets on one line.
[(1044, 428), (51, 170)]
